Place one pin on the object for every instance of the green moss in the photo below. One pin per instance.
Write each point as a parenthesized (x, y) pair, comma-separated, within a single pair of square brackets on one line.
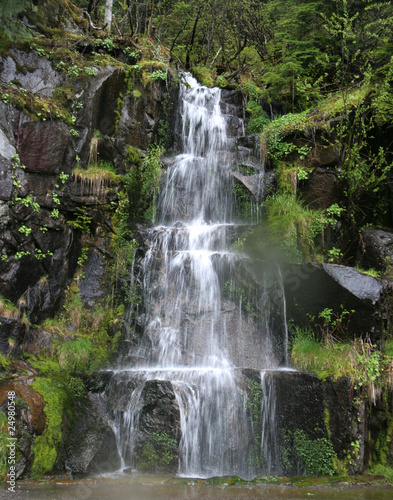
[(203, 75), (38, 108), (97, 176), (272, 141), (47, 445), (136, 94), (383, 470)]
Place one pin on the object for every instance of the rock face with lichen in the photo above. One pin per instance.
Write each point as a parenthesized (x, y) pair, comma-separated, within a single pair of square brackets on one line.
[(41, 241)]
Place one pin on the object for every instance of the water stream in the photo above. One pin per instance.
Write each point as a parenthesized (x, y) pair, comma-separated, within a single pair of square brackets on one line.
[(199, 328)]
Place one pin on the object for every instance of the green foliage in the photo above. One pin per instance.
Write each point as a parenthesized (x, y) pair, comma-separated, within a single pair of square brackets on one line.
[(82, 220), (293, 227), (316, 455), (143, 182), (259, 119), (368, 368), (75, 356), (382, 470), (160, 453)]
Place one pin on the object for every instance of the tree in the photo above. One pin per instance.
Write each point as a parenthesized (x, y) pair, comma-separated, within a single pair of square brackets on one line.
[(108, 14)]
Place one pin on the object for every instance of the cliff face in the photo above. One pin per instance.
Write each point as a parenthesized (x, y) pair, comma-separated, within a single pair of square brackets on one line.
[(53, 224), (73, 139)]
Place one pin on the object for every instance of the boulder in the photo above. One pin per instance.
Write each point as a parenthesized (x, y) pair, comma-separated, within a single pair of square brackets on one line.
[(311, 288), (91, 444), (159, 416), (376, 250)]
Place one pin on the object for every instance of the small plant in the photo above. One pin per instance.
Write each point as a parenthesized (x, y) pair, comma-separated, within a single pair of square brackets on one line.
[(108, 44), (90, 71), (83, 256), (63, 177), (25, 230), (158, 75), (335, 254), (73, 71), (55, 213)]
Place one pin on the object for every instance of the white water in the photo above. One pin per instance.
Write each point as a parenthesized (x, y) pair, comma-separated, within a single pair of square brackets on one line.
[(187, 340)]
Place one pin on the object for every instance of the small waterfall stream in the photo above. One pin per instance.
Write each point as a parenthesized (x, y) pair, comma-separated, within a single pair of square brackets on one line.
[(199, 331)]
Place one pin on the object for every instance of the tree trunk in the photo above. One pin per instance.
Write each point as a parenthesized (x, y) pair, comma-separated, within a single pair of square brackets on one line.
[(108, 14)]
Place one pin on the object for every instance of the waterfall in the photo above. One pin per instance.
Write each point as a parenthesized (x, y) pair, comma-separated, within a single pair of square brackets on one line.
[(196, 318)]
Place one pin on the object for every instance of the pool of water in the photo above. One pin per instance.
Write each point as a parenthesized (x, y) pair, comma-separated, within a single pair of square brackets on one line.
[(158, 489)]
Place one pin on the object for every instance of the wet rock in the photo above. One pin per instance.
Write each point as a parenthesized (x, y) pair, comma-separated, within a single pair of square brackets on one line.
[(91, 287), (159, 428), (376, 250), (232, 103), (37, 341), (46, 147), (321, 189), (91, 443), (139, 120)]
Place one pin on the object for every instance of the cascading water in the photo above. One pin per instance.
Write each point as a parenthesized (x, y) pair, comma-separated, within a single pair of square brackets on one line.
[(195, 318)]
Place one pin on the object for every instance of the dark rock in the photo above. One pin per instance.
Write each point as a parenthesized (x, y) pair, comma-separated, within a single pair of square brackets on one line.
[(40, 185), (45, 296), (46, 147), (19, 276), (232, 103), (37, 341), (159, 415), (12, 332), (234, 126), (139, 121), (5, 179), (376, 249), (310, 288), (91, 442), (91, 287), (250, 142), (321, 189), (102, 97)]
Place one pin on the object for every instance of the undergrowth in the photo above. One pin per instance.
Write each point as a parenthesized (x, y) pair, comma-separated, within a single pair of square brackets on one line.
[(368, 368)]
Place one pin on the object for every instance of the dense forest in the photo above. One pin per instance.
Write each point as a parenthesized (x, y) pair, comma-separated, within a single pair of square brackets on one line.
[(87, 96)]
